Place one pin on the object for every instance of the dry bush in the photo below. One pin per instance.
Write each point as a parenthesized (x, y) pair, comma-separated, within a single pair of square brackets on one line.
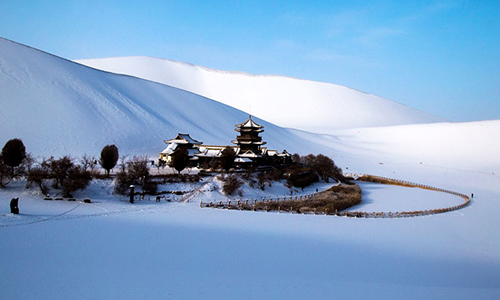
[(136, 173), (375, 179), (231, 184), (334, 199)]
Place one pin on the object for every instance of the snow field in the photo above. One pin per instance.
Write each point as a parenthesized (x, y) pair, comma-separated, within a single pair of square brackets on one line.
[(112, 249), (178, 250), (379, 198)]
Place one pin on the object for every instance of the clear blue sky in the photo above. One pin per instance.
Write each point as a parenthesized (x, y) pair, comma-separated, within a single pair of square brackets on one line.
[(442, 57)]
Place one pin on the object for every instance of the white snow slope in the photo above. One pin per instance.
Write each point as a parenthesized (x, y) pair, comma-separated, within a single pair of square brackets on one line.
[(111, 249), (59, 107), (289, 102)]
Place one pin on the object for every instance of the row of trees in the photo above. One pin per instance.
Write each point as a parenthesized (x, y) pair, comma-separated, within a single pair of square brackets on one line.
[(67, 174), (320, 164), (64, 172)]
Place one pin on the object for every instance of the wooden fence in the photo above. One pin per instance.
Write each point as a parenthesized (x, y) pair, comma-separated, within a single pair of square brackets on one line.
[(242, 204)]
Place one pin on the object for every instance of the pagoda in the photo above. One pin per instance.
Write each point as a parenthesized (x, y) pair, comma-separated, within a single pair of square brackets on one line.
[(249, 141)]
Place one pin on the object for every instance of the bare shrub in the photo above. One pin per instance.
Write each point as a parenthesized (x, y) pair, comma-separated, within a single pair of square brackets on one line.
[(78, 179), (29, 161), (302, 179), (64, 173), (89, 163), (136, 173), (334, 199), (58, 169), (122, 182), (231, 184), (262, 180), (323, 166), (38, 176)]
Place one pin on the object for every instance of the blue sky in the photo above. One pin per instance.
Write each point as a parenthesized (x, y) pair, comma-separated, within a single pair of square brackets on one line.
[(442, 57)]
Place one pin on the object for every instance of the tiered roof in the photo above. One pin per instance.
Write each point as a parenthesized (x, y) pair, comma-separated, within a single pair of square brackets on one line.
[(183, 138), (248, 146), (249, 125), (249, 138)]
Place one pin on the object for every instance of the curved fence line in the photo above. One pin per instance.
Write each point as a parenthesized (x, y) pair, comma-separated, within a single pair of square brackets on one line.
[(238, 204), (404, 214)]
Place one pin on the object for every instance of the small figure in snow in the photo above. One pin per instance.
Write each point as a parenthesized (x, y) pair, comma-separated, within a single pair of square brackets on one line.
[(14, 206)]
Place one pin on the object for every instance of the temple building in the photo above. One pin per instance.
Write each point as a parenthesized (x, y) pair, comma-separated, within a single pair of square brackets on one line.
[(248, 148), (182, 140), (249, 139)]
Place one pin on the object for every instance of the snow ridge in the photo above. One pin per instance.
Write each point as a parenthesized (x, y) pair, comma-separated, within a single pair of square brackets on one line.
[(289, 102)]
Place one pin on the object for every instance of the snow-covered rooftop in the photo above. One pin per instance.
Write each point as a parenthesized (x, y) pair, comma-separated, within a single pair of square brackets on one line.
[(183, 138), (249, 124)]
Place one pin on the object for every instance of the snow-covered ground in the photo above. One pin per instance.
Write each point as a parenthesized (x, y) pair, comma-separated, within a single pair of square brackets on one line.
[(111, 249)]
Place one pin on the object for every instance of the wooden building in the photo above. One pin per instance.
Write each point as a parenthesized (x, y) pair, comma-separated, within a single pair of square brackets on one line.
[(248, 148), (249, 139)]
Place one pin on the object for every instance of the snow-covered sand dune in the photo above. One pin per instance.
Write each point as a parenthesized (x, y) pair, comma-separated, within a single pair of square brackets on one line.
[(459, 146), (59, 107), (288, 102), (112, 249)]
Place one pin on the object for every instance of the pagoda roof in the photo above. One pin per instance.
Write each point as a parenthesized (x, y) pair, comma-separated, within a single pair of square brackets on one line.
[(249, 153), (243, 160), (284, 154), (248, 129), (243, 142), (210, 153), (183, 138), (249, 124), (170, 149), (271, 152)]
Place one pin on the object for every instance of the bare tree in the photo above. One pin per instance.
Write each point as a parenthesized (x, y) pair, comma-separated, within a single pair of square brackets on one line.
[(324, 167), (29, 161), (58, 169), (38, 175), (88, 162), (136, 172)]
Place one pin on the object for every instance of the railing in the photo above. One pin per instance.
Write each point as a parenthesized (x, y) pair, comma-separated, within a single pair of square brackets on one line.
[(405, 214), (240, 204), (254, 203)]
